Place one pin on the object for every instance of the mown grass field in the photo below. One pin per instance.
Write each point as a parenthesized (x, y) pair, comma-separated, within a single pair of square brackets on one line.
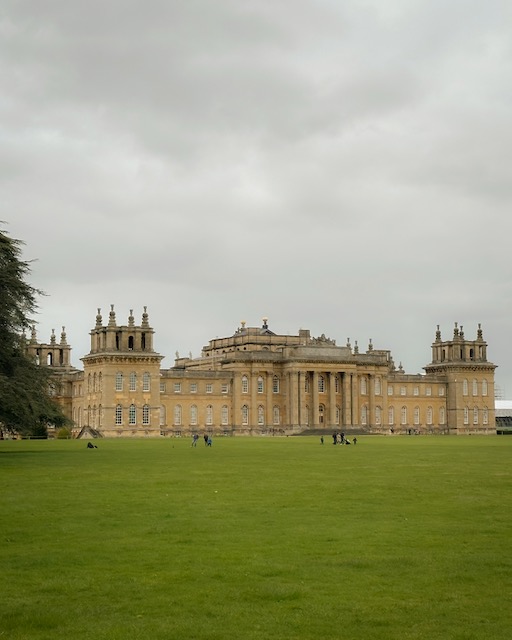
[(271, 539)]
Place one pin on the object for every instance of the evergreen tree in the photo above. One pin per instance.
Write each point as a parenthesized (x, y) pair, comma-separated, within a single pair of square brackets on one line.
[(25, 404)]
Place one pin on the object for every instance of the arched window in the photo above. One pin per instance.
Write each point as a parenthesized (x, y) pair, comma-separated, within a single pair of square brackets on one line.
[(177, 415), (321, 384), (245, 415), (146, 382), (485, 415), (94, 383), (133, 381), (119, 381), (224, 415), (275, 384), (475, 387), (245, 384), (442, 415), (475, 415), (391, 415), (119, 414), (162, 415), (378, 386), (466, 415), (130, 343), (261, 414), (132, 415), (260, 384), (416, 415), (484, 387), (100, 381), (430, 415), (364, 385), (276, 415), (378, 414), (404, 415), (465, 390), (364, 414), (89, 383), (193, 415), (209, 415), (145, 414), (100, 415)]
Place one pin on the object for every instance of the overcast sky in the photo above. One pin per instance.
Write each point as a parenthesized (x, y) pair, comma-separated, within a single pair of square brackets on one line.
[(337, 165)]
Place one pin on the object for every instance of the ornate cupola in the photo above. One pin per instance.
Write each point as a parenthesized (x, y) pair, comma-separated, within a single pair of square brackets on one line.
[(458, 349), (114, 338)]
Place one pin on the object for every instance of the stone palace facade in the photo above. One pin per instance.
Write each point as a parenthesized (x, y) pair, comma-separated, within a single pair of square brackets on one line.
[(256, 382)]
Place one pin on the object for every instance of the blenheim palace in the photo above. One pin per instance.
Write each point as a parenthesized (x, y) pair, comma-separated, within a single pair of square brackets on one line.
[(256, 382)]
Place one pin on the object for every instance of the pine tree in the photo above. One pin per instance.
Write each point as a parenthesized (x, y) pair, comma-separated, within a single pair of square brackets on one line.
[(25, 404)]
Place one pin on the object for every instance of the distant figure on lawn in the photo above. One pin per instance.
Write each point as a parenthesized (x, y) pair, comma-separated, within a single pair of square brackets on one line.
[(321, 439), (209, 441), (334, 438), (347, 441), (90, 445), (205, 439), (195, 439), (355, 440)]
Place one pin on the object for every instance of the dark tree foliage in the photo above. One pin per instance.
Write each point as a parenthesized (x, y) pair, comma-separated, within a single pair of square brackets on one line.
[(26, 407)]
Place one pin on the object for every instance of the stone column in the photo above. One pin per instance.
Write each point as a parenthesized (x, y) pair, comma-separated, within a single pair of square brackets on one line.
[(371, 400), (332, 399), (269, 399), (314, 395), (294, 399), (236, 393), (355, 400), (347, 400)]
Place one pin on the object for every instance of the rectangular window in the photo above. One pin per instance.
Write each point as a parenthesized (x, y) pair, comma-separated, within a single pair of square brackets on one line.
[(162, 386), (193, 387), (209, 388), (177, 387), (441, 391), (225, 387), (416, 391), (402, 391), (390, 390), (428, 391)]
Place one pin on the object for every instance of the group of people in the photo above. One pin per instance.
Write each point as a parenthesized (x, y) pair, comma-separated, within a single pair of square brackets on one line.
[(207, 440), (339, 438)]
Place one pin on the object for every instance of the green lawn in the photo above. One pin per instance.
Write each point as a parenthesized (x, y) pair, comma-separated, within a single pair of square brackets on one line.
[(271, 539)]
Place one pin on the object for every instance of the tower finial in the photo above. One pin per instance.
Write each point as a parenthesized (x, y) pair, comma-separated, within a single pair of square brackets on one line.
[(145, 322)]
